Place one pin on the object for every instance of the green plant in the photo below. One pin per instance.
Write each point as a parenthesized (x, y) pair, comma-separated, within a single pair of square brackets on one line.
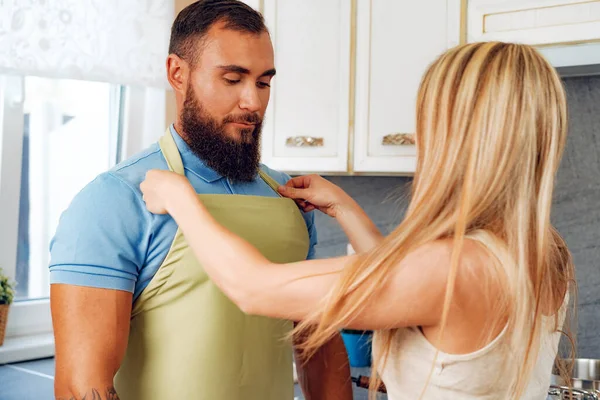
[(7, 291)]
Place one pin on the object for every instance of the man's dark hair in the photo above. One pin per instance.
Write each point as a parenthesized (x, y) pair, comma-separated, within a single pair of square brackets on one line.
[(194, 21)]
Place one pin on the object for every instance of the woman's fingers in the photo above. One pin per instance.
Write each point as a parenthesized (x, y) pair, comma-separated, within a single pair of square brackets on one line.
[(294, 193), (309, 208), (300, 182)]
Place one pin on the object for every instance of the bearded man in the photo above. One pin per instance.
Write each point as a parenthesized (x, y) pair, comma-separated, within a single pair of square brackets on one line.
[(135, 316)]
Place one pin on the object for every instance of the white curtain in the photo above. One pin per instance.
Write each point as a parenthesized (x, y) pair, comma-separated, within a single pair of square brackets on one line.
[(116, 41)]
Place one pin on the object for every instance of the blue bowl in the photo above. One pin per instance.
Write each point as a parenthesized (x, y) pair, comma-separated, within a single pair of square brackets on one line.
[(358, 346)]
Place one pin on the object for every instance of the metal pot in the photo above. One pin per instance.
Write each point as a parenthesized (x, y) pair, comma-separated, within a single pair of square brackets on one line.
[(585, 382)]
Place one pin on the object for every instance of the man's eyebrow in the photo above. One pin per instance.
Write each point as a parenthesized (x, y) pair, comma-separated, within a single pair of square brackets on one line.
[(234, 68), (269, 72), (245, 71)]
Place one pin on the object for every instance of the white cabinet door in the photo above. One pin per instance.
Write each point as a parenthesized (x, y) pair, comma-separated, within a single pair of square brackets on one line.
[(396, 41), (253, 3), (535, 22), (306, 126)]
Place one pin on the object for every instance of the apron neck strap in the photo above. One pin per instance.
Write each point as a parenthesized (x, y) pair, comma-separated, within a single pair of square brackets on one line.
[(171, 153), (270, 181)]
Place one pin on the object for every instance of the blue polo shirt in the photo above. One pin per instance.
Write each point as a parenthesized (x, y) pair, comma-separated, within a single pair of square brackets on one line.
[(108, 239)]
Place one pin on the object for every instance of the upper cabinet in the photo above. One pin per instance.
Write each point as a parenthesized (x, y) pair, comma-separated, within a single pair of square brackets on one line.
[(348, 72), (306, 126), (396, 42), (538, 22), (344, 99), (253, 3), (567, 32)]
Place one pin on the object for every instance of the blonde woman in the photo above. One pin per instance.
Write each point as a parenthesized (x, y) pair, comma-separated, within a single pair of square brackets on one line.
[(466, 296)]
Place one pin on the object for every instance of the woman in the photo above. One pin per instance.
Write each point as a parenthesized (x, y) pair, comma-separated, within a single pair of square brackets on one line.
[(466, 296)]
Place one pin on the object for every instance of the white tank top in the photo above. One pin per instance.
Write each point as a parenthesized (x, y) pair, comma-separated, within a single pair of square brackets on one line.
[(466, 376)]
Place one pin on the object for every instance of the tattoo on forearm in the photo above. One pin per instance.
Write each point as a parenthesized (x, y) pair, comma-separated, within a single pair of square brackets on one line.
[(110, 394)]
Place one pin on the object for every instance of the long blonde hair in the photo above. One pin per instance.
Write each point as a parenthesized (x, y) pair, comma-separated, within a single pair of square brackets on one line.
[(491, 128)]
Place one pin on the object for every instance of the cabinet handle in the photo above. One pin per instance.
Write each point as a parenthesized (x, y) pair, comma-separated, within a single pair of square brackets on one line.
[(304, 141), (398, 139)]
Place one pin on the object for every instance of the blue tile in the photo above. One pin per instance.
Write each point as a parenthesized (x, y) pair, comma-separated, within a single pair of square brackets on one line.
[(18, 385), (44, 366)]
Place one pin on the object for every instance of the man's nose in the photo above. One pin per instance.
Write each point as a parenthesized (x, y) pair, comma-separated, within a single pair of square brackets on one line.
[(250, 100)]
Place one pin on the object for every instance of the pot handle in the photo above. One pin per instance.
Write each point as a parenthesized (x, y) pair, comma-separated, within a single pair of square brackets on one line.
[(565, 393)]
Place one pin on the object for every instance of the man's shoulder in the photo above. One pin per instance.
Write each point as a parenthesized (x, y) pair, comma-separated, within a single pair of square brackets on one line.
[(122, 182), (132, 171), (279, 176)]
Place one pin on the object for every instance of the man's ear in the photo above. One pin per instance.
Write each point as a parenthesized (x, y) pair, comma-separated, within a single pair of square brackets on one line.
[(177, 73)]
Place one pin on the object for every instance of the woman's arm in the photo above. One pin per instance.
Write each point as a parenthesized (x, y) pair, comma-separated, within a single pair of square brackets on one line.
[(412, 295), (358, 227), (250, 280)]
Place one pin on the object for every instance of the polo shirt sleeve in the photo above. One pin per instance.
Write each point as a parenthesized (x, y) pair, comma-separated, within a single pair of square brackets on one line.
[(312, 233), (102, 238)]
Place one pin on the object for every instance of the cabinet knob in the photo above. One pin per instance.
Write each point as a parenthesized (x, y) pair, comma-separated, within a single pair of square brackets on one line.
[(304, 141), (398, 139)]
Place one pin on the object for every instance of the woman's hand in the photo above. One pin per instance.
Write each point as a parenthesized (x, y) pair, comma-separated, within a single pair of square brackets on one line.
[(160, 188), (314, 192)]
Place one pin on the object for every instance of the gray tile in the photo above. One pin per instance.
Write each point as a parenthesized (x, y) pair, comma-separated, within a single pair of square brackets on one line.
[(588, 342), (384, 199), (576, 211)]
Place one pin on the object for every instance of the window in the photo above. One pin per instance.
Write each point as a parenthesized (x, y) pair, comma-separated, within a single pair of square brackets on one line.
[(70, 135), (57, 134), (55, 137)]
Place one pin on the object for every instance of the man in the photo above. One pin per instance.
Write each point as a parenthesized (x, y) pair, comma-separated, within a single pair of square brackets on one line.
[(135, 316)]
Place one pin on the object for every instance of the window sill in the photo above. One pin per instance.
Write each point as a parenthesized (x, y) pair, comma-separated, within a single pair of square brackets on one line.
[(24, 348)]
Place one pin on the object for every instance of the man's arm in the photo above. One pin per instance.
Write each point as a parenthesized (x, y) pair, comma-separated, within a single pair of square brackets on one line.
[(326, 375), (91, 327), (96, 254)]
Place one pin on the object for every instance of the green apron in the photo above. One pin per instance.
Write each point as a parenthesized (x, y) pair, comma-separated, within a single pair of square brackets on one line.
[(189, 341)]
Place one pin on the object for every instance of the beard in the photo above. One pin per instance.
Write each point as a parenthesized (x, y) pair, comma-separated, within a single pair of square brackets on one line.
[(237, 160)]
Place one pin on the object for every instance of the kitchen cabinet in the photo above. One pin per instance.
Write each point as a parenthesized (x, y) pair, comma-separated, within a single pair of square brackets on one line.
[(536, 22), (566, 32), (396, 42), (253, 3), (307, 121), (344, 97)]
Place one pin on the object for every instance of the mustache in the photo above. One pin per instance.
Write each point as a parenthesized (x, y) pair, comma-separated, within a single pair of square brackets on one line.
[(248, 118)]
